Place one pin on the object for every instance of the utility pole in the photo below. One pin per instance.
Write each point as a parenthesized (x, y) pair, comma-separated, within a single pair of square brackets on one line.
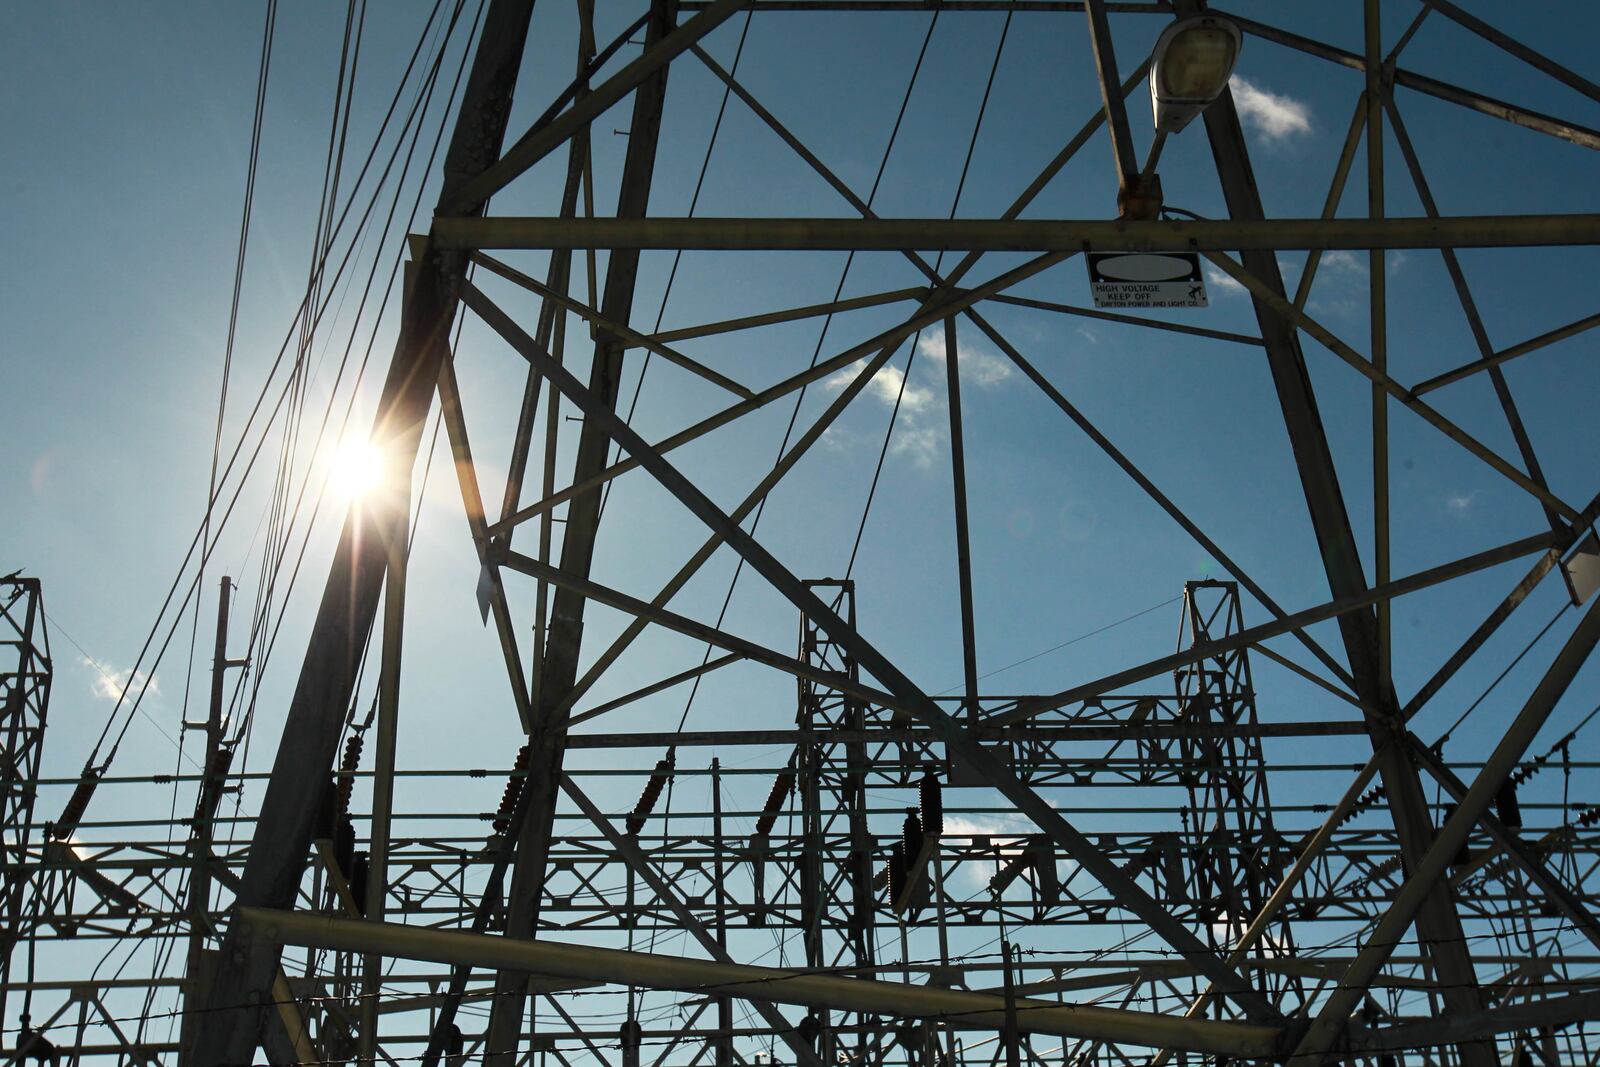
[(213, 783)]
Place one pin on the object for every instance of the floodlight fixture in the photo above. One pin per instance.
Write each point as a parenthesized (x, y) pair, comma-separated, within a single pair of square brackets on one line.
[(1190, 67)]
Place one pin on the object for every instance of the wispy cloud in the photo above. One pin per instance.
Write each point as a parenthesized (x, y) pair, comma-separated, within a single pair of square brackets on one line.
[(1341, 286), (890, 384), (921, 428), (1220, 284), (109, 683), (1277, 117), (1341, 260), (1460, 504)]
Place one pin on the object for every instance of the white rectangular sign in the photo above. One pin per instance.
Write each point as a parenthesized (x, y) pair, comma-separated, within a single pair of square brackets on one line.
[(1146, 280)]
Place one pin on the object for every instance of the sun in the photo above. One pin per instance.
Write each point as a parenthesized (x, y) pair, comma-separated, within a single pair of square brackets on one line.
[(357, 469)]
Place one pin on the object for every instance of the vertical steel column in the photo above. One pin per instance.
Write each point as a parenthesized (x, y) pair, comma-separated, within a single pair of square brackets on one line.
[(551, 330), (1232, 812), (958, 475), (1378, 302), (559, 664), (1105, 61), (226, 1031), (394, 611), (1013, 1045), (723, 903), (812, 761), (862, 923), (1438, 921)]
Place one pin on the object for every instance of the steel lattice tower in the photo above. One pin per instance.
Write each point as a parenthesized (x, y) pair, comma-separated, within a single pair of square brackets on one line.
[(864, 872)]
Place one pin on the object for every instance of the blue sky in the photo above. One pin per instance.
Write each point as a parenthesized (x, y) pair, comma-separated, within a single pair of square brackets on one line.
[(129, 131)]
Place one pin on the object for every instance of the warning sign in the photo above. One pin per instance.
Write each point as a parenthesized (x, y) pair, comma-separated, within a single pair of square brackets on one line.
[(1146, 280)]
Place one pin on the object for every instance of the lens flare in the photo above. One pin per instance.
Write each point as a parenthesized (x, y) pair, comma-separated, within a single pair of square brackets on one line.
[(358, 469)]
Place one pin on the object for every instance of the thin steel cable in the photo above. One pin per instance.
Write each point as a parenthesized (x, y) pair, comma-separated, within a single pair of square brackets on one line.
[(283, 396), (794, 413), (677, 256), (1501, 676), (339, 131), (306, 307), (1070, 641), (244, 439), (136, 706), (955, 204)]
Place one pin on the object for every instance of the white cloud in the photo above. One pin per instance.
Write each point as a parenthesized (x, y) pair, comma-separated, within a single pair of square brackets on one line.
[(109, 683), (890, 383), (1459, 504), (836, 439), (1339, 268), (978, 366), (1341, 284), (1341, 260), (1275, 116), (979, 872), (922, 426), (887, 386), (1223, 284)]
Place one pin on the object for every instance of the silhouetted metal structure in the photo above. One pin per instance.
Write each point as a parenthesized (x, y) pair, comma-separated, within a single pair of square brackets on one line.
[(1099, 874), (25, 675)]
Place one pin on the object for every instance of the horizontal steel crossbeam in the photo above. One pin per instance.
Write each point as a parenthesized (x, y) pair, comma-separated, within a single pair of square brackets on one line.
[(1016, 235), (955, 1008)]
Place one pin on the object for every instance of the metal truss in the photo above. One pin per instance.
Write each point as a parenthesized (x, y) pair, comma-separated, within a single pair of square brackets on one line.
[(25, 675), (794, 879), (1146, 865)]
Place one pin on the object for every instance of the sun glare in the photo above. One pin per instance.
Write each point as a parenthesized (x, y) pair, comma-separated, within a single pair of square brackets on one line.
[(358, 469)]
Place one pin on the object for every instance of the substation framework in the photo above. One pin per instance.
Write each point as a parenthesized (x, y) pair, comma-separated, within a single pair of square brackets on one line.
[(1167, 887)]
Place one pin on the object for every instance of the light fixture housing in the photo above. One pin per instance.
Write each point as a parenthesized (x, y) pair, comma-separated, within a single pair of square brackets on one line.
[(1190, 67)]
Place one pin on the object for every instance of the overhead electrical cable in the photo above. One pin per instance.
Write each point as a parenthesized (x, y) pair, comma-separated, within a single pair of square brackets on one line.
[(955, 204), (388, 290), (816, 354), (94, 769), (242, 732), (794, 412), (283, 395)]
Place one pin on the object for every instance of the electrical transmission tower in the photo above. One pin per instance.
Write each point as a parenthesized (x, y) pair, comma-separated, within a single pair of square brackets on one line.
[(1129, 865)]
